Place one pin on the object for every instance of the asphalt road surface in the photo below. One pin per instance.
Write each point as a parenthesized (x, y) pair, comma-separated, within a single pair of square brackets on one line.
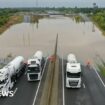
[(24, 92), (92, 91)]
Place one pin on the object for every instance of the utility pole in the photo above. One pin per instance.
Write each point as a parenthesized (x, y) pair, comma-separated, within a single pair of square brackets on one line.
[(23, 40), (94, 10), (94, 5), (93, 28), (29, 39), (36, 3)]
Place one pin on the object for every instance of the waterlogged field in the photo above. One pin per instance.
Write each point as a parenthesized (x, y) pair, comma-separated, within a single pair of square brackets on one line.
[(79, 38)]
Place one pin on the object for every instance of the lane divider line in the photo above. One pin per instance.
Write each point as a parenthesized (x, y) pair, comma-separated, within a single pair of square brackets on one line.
[(15, 91), (25, 73), (84, 85), (39, 82), (63, 82), (99, 76)]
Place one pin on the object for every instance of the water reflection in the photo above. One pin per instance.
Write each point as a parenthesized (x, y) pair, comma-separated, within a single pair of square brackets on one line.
[(35, 19), (93, 28), (25, 38), (27, 19), (77, 19)]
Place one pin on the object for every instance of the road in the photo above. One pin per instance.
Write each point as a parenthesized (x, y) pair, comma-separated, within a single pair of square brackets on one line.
[(92, 91), (24, 91)]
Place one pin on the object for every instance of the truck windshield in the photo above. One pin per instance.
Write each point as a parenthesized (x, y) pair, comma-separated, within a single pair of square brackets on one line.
[(33, 69), (73, 75), (33, 62)]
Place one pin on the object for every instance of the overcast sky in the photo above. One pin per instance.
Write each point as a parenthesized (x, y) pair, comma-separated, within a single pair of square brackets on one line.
[(50, 3)]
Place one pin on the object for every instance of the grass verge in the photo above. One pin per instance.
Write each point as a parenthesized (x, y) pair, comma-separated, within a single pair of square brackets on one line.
[(12, 20)]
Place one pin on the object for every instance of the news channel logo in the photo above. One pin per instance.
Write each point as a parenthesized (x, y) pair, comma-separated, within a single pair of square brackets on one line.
[(6, 93)]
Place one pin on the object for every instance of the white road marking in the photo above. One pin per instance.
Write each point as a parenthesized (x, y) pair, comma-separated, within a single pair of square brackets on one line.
[(25, 73), (39, 83), (99, 76), (63, 82), (84, 85), (15, 91)]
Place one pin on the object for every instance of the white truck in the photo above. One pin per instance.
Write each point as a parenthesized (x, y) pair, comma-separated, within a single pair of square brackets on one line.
[(10, 73), (71, 58), (73, 72), (34, 69)]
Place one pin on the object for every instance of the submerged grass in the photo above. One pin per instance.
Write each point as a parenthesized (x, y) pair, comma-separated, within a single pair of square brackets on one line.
[(96, 24), (78, 19), (101, 67)]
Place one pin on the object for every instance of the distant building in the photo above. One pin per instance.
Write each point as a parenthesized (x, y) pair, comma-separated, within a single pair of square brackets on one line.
[(51, 12)]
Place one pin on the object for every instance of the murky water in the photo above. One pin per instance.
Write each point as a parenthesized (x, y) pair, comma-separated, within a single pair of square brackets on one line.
[(25, 38)]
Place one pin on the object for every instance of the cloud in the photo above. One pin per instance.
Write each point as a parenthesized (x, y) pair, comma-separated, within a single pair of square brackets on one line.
[(51, 3)]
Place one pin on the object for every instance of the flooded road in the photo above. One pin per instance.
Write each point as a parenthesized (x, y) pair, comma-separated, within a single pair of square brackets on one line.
[(79, 38)]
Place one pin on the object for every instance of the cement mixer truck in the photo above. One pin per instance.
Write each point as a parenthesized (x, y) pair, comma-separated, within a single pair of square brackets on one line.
[(10, 73), (34, 69), (73, 72), (71, 58)]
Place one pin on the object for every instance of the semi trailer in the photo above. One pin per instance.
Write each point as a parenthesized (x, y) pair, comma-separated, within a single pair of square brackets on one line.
[(10, 73)]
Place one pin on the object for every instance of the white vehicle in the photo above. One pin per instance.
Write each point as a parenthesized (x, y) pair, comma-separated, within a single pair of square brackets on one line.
[(10, 73), (34, 69), (73, 73), (71, 58)]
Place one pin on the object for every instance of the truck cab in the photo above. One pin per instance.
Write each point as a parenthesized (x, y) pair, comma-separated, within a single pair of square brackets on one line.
[(34, 67), (34, 70), (73, 75)]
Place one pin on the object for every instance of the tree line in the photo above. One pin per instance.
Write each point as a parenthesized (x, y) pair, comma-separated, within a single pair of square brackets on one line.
[(97, 14), (99, 19), (5, 15)]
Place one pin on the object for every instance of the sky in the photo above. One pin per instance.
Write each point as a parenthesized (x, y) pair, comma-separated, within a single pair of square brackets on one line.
[(50, 3)]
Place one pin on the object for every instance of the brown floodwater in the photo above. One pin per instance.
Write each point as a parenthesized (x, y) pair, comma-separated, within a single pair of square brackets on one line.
[(78, 38)]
